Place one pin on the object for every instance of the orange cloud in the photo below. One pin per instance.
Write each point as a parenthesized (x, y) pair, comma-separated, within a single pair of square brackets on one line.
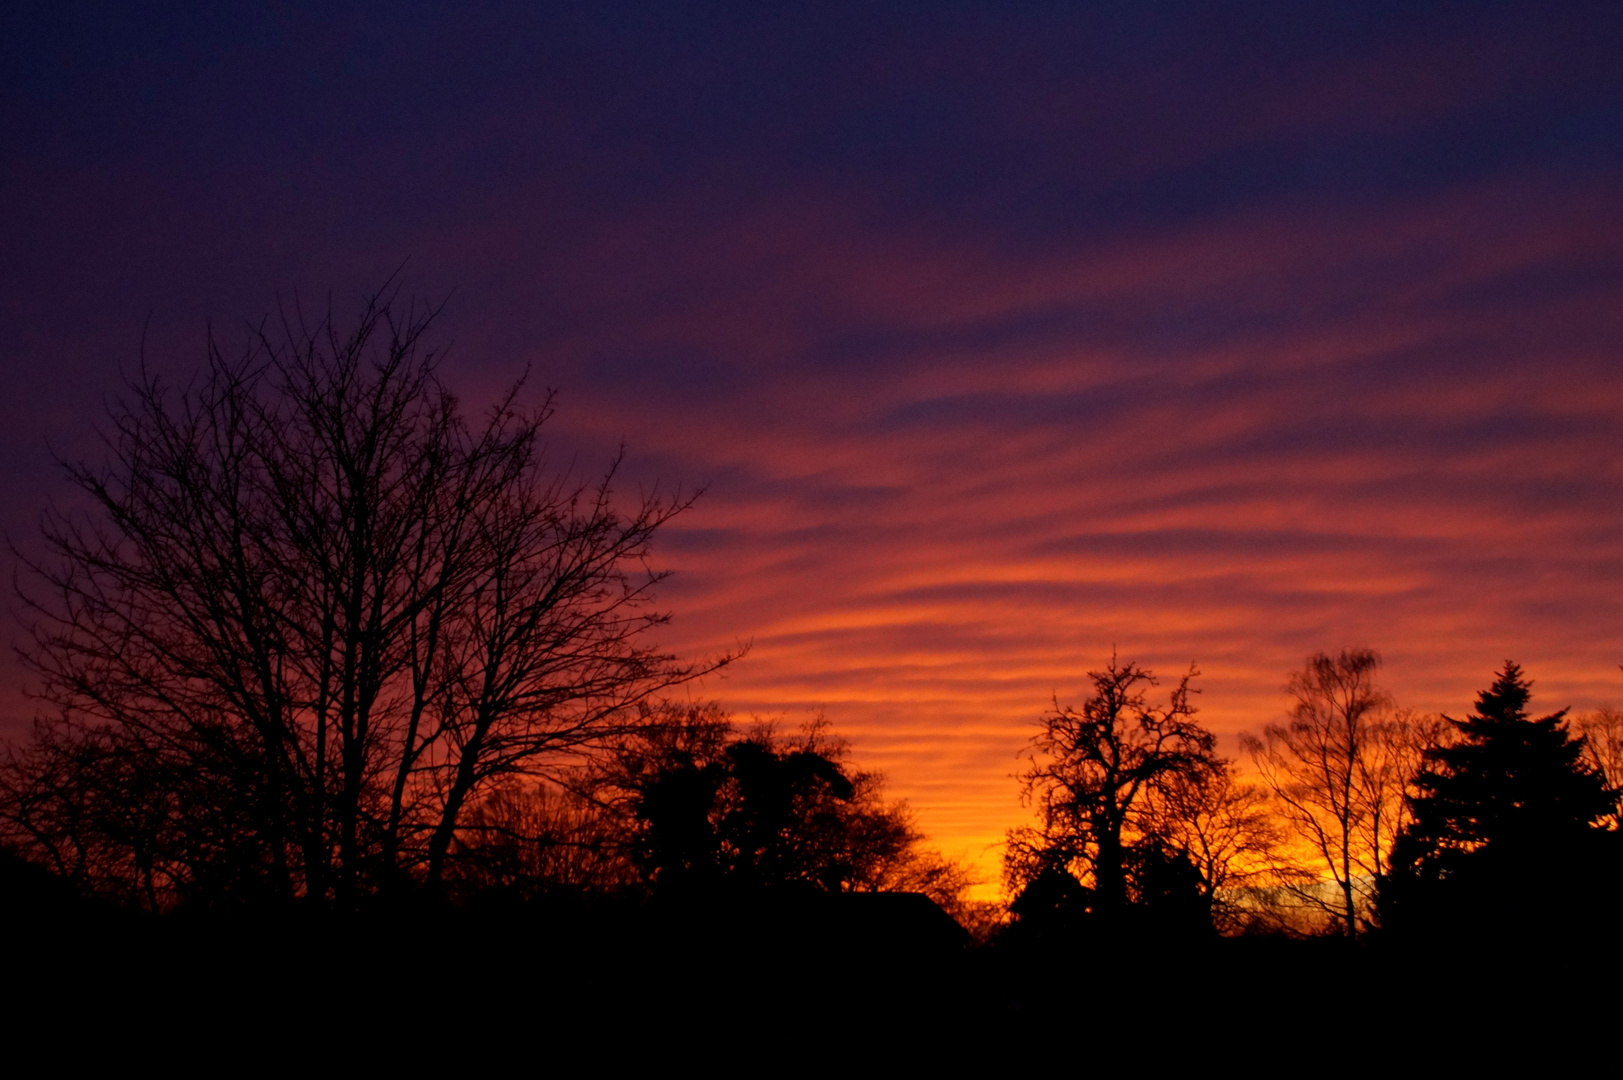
[(930, 524)]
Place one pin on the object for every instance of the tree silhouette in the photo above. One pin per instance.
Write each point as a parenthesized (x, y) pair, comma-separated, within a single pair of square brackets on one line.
[(1226, 832), (1603, 751), (1092, 776), (526, 841), (707, 809), (1504, 822), (1338, 771), (311, 614)]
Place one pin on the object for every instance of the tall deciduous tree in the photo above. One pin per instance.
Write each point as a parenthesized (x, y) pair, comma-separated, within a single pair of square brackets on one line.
[(311, 613), (1091, 776), (1338, 770)]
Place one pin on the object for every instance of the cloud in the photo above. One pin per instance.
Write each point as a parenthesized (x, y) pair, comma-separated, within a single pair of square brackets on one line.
[(998, 341), (954, 494)]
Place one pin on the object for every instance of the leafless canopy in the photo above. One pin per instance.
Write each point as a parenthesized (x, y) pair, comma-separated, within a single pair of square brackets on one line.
[(1227, 830), (312, 614), (1093, 771), (1339, 770), (1603, 751)]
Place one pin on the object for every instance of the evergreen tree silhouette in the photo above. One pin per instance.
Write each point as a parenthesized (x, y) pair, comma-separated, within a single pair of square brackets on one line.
[(1503, 837)]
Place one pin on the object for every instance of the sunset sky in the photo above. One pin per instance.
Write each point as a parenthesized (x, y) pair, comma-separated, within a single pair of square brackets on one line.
[(998, 335)]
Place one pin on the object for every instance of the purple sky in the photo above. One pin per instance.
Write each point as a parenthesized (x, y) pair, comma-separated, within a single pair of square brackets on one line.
[(1219, 333)]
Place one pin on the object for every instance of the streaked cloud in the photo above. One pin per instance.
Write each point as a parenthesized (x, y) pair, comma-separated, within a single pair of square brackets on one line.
[(998, 341)]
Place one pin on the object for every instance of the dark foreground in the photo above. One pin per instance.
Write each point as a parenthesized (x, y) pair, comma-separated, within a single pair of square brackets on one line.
[(822, 980)]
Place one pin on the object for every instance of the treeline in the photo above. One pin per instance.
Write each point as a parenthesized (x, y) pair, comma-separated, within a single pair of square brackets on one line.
[(1357, 816), (692, 807), (316, 640), (684, 805), (312, 639)]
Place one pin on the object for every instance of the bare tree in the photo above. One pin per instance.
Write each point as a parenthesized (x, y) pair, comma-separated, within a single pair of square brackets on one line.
[(1092, 774), (1603, 751), (534, 839), (1338, 771), (313, 613), (1226, 829)]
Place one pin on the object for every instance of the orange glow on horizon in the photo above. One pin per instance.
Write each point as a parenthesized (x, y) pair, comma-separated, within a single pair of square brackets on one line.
[(927, 553)]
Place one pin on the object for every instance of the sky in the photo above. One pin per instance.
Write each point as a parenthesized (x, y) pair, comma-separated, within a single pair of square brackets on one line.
[(998, 337)]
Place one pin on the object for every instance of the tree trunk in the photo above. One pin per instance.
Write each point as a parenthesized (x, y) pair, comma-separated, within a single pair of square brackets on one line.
[(1109, 877)]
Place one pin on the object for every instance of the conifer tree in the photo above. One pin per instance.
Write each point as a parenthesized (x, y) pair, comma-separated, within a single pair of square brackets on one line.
[(1505, 821)]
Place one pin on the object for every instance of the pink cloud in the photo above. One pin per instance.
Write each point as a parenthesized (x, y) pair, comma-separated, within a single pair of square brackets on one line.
[(926, 548)]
